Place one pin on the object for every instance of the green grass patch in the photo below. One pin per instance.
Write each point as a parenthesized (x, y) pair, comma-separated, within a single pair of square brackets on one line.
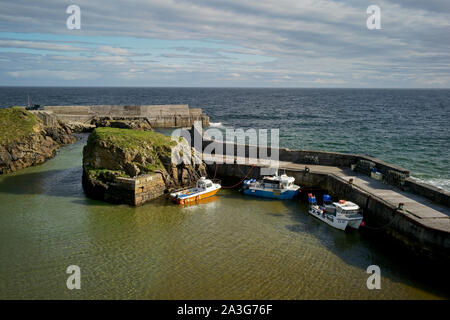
[(152, 145), (105, 174), (131, 139), (15, 124)]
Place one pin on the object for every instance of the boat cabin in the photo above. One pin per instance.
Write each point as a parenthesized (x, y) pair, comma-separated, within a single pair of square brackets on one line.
[(346, 207), (204, 183), (278, 182)]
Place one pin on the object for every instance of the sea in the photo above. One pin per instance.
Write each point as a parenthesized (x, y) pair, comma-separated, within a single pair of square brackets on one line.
[(406, 127), (232, 246)]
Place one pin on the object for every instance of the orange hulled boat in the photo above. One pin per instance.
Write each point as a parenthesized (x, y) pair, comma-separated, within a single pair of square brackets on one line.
[(205, 188)]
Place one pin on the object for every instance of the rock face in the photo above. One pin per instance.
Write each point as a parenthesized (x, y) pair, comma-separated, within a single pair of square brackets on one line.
[(80, 127), (122, 123), (133, 167), (28, 139)]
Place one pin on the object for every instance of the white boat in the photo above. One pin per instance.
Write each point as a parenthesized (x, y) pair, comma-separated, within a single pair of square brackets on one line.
[(346, 213), (204, 188), (275, 187)]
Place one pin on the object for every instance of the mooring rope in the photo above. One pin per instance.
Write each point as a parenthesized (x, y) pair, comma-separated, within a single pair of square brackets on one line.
[(384, 226), (235, 185), (215, 171)]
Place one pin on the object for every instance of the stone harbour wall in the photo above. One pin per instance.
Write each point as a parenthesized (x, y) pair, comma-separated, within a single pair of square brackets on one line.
[(380, 217), (392, 174), (159, 116), (132, 191), (148, 187)]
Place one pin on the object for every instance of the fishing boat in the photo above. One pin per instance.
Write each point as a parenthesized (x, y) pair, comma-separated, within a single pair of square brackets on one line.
[(275, 187), (344, 214), (204, 188)]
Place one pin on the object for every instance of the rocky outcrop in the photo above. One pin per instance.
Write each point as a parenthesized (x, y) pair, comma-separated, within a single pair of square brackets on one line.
[(80, 127), (122, 123), (133, 167), (29, 139)]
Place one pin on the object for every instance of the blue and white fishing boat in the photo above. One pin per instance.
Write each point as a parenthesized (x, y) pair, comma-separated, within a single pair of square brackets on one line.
[(275, 187), (339, 215)]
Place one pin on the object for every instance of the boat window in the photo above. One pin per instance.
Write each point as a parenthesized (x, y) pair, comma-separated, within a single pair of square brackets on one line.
[(209, 185)]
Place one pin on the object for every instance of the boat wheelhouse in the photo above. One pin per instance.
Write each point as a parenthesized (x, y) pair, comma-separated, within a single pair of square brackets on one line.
[(275, 187)]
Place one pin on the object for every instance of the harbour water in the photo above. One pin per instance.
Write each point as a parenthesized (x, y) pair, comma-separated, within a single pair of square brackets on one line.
[(232, 246)]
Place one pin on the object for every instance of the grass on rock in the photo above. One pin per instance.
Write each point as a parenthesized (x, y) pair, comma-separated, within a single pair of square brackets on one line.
[(16, 123), (145, 142), (131, 139)]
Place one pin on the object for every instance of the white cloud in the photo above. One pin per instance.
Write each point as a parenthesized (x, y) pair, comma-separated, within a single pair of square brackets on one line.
[(64, 75), (39, 45), (114, 50), (309, 41)]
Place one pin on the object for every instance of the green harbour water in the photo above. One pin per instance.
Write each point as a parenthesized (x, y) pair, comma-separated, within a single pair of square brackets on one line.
[(231, 247)]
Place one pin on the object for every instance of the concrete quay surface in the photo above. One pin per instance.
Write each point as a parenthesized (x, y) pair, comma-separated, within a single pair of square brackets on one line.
[(430, 214), (423, 225)]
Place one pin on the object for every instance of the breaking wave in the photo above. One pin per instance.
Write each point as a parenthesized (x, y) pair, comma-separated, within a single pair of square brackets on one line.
[(440, 183), (216, 124)]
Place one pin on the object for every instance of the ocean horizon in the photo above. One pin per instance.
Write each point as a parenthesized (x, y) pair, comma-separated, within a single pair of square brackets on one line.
[(406, 127)]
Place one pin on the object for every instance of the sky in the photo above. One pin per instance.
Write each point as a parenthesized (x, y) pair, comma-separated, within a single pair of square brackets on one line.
[(226, 43)]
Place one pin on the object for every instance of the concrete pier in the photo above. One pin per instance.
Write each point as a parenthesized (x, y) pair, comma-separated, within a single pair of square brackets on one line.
[(159, 116), (422, 225)]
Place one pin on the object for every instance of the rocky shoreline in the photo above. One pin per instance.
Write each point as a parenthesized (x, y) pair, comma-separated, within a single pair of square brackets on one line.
[(124, 160), (38, 134), (28, 139)]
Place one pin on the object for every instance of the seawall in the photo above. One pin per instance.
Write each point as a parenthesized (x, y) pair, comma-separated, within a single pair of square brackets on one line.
[(159, 116), (132, 191), (414, 214), (391, 174), (429, 237)]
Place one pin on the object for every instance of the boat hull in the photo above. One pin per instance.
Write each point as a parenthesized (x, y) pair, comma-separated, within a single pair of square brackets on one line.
[(272, 194), (356, 223), (337, 223), (195, 198)]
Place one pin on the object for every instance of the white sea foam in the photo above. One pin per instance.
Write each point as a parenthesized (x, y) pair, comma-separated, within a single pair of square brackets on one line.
[(441, 183), (216, 124)]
